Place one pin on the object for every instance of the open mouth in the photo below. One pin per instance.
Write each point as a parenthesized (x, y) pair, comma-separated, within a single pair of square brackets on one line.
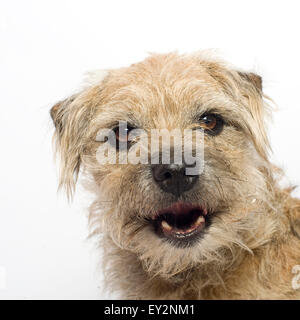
[(182, 224)]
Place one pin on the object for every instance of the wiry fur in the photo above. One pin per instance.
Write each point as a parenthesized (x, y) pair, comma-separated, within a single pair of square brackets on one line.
[(254, 239)]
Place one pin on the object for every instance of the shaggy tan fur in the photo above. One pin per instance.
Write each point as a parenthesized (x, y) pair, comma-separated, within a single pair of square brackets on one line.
[(254, 239)]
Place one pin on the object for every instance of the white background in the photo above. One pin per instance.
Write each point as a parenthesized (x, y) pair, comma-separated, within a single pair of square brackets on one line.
[(46, 47)]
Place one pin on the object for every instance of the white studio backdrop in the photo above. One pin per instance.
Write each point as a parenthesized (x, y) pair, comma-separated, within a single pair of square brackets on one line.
[(46, 47)]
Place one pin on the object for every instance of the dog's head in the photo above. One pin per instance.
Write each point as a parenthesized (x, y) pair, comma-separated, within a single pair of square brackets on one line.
[(171, 220)]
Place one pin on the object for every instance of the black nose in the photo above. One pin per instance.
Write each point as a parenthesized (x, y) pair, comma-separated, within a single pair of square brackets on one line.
[(172, 178)]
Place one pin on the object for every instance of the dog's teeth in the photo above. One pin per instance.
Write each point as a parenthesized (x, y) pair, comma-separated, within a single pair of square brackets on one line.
[(166, 226), (199, 220)]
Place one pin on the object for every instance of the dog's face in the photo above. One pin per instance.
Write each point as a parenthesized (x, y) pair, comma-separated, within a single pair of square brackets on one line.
[(170, 220)]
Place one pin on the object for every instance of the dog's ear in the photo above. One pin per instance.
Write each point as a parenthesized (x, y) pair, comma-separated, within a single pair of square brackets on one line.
[(251, 87), (70, 118), (253, 79), (57, 113)]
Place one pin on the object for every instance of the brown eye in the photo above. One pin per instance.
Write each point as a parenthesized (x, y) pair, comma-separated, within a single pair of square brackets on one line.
[(122, 133), (211, 123)]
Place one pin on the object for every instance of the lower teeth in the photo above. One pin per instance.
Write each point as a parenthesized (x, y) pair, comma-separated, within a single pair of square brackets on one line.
[(165, 225)]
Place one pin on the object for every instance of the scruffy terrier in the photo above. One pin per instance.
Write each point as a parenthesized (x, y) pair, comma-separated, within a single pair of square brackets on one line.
[(228, 232)]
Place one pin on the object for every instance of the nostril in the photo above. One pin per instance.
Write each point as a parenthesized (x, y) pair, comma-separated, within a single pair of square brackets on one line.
[(167, 175), (161, 173)]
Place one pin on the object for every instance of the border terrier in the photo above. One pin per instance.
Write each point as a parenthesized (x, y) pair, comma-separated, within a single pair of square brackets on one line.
[(227, 231)]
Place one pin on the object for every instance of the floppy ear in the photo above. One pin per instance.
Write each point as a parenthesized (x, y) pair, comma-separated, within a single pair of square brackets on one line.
[(70, 118), (57, 112), (247, 86), (252, 78), (251, 87)]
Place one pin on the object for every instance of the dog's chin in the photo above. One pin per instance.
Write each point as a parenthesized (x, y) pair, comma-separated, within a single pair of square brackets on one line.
[(181, 224)]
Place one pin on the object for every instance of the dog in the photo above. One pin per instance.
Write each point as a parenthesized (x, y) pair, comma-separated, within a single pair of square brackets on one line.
[(228, 232)]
